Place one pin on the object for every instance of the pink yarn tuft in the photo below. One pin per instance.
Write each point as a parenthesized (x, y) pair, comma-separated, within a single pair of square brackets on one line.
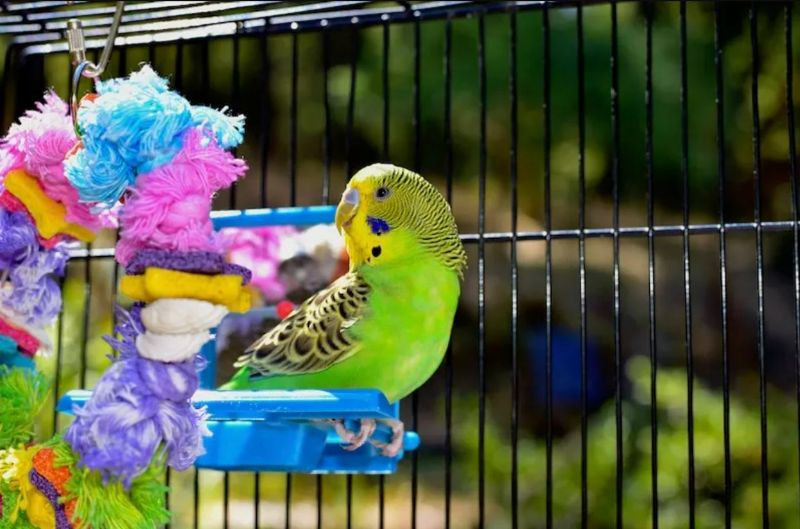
[(169, 207), (38, 143)]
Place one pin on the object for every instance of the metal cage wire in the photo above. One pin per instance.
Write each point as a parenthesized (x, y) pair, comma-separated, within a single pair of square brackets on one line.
[(35, 30)]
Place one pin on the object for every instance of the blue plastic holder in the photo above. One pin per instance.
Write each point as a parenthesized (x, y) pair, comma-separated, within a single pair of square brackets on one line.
[(256, 218), (284, 431)]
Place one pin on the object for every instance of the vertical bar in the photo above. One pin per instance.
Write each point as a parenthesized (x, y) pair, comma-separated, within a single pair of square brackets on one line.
[(205, 75), (205, 72), (482, 278), (319, 500), (651, 263), (723, 262), (264, 146), (122, 70), (18, 104), (759, 263), (196, 502), (59, 353), (178, 81), (265, 117), (417, 168), (512, 89), (386, 30), (448, 397), (548, 270), (417, 103), (385, 156), (7, 67), (348, 173), (256, 500), (206, 81), (293, 126), (235, 77), (178, 65), (351, 105), (326, 141), (205, 66), (615, 153), (151, 55), (87, 290), (793, 180), (292, 202), (326, 190), (226, 493), (62, 280), (87, 310), (582, 268), (167, 494), (349, 488), (687, 298)]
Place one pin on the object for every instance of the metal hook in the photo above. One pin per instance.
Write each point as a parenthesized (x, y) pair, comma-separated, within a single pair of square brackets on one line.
[(77, 45), (76, 79), (77, 51)]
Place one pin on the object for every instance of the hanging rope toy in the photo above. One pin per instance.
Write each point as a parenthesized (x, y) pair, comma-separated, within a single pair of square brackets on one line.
[(168, 158), (40, 215)]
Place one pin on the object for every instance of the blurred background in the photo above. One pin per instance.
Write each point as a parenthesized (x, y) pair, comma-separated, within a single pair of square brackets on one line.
[(316, 104)]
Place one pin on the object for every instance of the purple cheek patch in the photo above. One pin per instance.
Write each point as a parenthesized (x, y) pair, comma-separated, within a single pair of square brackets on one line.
[(378, 226)]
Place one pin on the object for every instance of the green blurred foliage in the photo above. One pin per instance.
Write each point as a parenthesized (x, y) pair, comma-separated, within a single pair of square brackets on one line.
[(673, 461)]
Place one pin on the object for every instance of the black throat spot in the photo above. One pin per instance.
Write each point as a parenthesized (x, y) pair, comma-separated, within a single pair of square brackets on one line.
[(376, 251)]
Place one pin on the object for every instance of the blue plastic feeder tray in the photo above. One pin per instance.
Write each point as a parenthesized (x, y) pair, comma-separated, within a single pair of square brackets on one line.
[(284, 431)]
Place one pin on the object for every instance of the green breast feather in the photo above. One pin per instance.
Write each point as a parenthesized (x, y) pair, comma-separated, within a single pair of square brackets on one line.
[(376, 327)]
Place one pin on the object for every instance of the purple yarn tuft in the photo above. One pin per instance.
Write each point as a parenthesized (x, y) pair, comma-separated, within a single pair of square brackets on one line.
[(35, 293), (198, 262), (17, 238), (138, 406), (28, 268), (50, 492)]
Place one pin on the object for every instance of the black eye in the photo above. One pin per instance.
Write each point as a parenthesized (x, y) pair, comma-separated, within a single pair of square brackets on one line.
[(382, 193)]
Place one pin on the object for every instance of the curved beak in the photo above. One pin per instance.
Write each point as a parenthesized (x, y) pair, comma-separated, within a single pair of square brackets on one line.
[(347, 208)]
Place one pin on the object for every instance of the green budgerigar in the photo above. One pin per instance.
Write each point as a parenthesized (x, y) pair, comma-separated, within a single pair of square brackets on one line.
[(386, 323)]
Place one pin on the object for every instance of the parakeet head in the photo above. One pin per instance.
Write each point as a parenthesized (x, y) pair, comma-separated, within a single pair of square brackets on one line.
[(389, 214)]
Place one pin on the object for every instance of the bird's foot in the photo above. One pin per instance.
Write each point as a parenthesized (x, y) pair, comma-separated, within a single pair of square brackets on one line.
[(353, 440), (393, 447)]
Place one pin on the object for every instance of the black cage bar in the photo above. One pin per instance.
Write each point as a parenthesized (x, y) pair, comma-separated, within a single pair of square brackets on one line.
[(627, 349)]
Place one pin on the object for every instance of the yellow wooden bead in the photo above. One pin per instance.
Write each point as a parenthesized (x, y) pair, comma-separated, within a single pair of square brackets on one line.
[(159, 283)]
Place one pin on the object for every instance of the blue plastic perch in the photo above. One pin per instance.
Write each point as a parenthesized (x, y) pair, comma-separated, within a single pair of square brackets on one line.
[(284, 431)]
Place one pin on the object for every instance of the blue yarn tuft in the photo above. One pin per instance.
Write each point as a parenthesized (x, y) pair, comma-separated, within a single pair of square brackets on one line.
[(134, 126), (228, 130), (8, 347)]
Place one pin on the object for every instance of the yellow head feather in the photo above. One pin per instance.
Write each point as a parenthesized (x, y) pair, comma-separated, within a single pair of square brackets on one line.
[(388, 214)]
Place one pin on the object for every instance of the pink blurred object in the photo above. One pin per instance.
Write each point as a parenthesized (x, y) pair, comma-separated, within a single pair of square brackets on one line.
[(259, 250)]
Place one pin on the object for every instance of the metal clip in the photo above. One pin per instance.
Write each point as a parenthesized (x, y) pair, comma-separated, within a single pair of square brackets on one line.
[(77, 45), (77, 52)]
